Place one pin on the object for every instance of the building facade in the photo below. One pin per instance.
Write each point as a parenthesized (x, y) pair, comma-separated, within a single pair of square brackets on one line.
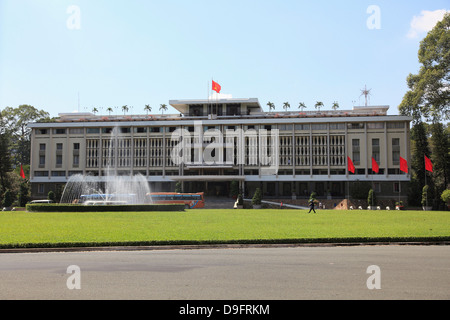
[(209, 144)]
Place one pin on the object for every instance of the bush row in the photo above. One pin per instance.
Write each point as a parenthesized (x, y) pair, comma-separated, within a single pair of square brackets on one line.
[(109, 208), (302, 241)]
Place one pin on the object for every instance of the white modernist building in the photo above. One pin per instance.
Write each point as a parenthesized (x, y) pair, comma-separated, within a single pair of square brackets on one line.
[(209, 144)]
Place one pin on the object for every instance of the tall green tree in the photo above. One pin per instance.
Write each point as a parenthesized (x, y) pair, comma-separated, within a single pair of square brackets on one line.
[(440, 144), (271, 106), (5, 162), (301, 106), (16, 122), (318, 105), (419, 148), (429, 91), (163, 108), (148, 108), (5, 159)]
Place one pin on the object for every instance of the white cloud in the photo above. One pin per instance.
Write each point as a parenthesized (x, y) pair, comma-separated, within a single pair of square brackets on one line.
[(425, 22)]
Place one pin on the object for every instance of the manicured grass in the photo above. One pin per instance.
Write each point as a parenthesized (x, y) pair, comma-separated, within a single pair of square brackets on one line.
[(216, 226)]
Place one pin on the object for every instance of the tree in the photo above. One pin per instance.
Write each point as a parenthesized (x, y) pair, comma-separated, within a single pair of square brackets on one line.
[(335, 106), (318, 105), (425, 196), (286, 106), (7, 199), (419, 148), (445, 196), (440, 142), (51, 196), (240, 200), (429, 90), (163, 108), (148, 108), (371, 199), (178, 187), (256, 200), (125, 109), (109, 109), (5, 158), (301, 106), (94, 110), (234, 189), (23, 197), (15, 123), (271, 106)]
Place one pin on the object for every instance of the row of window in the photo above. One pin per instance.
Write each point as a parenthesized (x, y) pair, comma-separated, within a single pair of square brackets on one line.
[(356, 155), (281, 127), (356, 158)]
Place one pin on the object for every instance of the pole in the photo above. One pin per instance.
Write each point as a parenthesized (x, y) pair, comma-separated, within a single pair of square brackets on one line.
[(373, 191), (426, 193)]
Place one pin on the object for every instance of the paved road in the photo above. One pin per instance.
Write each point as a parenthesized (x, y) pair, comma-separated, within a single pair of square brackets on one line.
[(405, 272)]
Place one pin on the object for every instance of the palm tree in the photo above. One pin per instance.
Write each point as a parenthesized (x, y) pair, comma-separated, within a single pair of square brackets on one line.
[(125, 109), (271, 106), (94, 110), (335, 106), (163, 108), (301, 106), (109, 110), (148, 108), (318, 105), (286, 106)]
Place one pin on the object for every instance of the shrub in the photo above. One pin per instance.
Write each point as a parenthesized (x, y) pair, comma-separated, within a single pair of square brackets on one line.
[(257, 197), (240, 200), (234, 188), (23, 197), (445, 196), (178, 187), (7, 198), (424, 195), (371, 200), (109, 208), (51, 196)]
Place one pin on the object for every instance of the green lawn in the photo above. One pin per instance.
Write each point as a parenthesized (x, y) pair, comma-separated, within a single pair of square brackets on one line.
[(90, 228)]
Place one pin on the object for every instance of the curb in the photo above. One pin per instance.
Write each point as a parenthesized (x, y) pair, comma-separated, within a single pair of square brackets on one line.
[(218, 246)]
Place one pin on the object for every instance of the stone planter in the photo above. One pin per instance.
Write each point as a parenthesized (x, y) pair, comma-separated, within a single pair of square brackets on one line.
[(429, 208)]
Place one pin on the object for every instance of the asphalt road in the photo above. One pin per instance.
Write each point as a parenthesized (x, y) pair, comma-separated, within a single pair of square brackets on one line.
[(401, 272)]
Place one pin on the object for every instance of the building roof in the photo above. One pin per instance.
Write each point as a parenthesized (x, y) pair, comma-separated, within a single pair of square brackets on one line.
[(183, 105), (256, 115)]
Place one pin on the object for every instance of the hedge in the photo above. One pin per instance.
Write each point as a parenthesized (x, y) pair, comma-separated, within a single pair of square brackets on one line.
[(108, 208), (301, 241)]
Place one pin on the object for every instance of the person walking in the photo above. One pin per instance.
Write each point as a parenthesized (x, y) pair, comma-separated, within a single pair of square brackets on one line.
[(311, 206)]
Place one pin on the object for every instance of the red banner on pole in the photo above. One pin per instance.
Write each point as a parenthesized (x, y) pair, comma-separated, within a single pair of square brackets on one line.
[(216, 87), (375, 167), (428, 164), (351, 167), (403, 165)]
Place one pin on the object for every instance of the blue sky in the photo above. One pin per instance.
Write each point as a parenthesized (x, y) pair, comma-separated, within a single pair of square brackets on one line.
[(140, 52)]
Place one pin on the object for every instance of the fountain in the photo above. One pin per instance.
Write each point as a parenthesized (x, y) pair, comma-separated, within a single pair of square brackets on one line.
[(110, 188)]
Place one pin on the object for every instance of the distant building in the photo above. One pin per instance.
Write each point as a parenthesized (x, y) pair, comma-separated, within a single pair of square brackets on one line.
[(209, 144)]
